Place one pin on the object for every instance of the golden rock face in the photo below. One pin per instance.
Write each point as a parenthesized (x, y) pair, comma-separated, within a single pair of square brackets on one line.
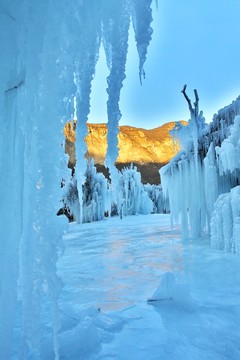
[(135, 144)]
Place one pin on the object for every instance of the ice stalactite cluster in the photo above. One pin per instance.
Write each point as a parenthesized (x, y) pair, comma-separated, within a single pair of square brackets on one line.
[(105, 22), (182, 175), (115, 25), (205, 195), (48, 52)]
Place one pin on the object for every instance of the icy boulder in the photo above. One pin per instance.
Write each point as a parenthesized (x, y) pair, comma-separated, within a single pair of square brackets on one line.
[(177, 295), (166, 288), (83, 332), (79, 341)]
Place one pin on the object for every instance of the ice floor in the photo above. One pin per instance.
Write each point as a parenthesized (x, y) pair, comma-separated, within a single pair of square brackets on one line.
[(110, 269)]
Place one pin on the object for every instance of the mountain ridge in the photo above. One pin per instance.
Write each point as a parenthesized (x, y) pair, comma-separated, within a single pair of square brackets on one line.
[(147, 148)]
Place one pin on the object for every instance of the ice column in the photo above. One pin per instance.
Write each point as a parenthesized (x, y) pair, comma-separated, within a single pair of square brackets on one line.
[(35, 101), (86, 42)]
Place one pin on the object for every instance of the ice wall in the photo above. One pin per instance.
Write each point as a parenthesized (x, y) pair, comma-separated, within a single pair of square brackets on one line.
[(202, 192), (225, 222), (33, 110), (49, 50)]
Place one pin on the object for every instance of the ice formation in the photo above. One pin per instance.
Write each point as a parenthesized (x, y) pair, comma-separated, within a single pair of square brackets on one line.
[(202, 181), (165, 289), (83, 332), (97, 201), (133, 199), (107, 22), (49, 52), (225, 221), (95, 195), (160, 202), (173, 293)]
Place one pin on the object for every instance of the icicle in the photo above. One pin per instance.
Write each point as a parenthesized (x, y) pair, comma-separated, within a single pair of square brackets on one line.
[(142, 18), (201, 179), (115, 34), (86, 48)]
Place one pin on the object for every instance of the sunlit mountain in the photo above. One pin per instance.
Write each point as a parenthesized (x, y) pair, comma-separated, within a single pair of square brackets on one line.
[(148, 149)]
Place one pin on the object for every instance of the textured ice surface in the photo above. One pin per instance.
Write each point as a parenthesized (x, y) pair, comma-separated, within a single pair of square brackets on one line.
[(116, 265)]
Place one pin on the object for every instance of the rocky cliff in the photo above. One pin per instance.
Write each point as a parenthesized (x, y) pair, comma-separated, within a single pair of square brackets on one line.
[(148, 149)]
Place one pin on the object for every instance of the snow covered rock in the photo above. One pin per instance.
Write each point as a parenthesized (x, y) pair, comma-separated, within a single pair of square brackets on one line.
[(79, 341), (166, 288), (82, 332), (175, 294)]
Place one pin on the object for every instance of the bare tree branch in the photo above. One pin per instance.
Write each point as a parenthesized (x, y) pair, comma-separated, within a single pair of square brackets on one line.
[(15, 87), (196, 102), (188, 100), (7, 14)]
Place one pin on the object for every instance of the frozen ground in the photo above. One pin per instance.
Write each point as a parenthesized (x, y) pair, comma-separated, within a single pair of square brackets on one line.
[(110, 269)]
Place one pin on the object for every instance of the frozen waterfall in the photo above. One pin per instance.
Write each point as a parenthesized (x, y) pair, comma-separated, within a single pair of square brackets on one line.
[(202, 181)]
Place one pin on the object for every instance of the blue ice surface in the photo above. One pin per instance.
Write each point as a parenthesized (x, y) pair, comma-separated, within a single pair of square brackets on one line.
[(112, 267)]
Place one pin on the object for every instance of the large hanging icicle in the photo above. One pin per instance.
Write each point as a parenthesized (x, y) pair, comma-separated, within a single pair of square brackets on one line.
[(85, 45), (107, 22), (116, 20), (142, 18), (115, 25)]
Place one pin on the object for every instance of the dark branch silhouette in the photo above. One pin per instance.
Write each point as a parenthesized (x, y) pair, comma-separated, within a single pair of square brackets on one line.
[(7, 14), (15, 87), (193, 111)]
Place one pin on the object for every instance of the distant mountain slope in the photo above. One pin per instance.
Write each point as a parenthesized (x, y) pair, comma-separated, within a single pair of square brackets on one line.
[(148, 149)]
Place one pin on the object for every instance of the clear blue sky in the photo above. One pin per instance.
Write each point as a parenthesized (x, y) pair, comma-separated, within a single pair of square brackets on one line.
[(196, 42)]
